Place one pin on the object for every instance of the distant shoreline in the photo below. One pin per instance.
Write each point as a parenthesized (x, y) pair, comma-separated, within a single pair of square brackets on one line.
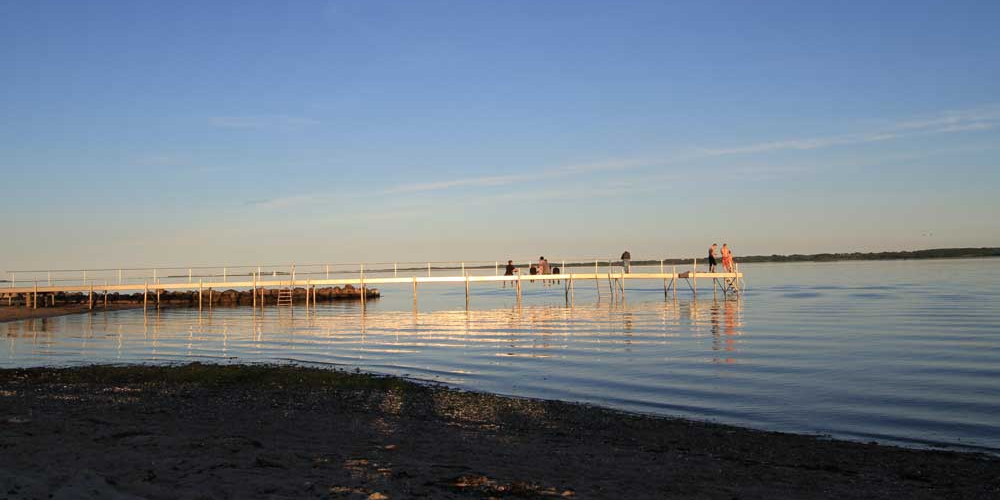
[(933, 253)]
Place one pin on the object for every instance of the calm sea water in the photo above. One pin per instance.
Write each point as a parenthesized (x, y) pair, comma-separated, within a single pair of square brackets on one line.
[(905, 352)]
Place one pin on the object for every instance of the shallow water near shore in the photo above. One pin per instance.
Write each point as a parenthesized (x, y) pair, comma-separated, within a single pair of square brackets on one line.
[(905, 352)]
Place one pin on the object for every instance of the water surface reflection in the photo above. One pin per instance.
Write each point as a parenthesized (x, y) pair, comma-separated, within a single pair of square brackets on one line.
[(803, 352)]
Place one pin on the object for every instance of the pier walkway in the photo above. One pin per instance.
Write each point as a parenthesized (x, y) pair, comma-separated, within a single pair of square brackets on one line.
[(31, 284)]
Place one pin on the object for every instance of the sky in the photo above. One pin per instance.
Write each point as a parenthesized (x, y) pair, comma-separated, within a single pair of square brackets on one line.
[(141, 133)]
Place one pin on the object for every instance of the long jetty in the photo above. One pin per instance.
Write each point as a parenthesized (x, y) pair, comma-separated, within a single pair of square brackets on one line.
[(30, 284)]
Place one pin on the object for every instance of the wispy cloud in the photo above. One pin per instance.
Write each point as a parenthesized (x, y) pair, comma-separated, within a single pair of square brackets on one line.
[(302, 199), (471, 181), (261, 121), (949, 122), (501, 180)]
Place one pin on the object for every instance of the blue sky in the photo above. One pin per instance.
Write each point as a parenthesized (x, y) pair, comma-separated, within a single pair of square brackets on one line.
[(161, 133)]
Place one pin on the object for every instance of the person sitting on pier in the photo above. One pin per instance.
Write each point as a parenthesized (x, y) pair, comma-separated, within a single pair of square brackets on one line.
[(711, 257), (727, 258), (555, 270), (533, 270)]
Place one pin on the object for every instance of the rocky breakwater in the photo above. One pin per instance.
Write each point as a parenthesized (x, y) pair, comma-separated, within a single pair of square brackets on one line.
[(220, 297), (245, 298)]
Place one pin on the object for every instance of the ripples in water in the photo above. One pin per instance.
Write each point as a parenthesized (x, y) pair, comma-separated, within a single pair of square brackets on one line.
[(862, 351)]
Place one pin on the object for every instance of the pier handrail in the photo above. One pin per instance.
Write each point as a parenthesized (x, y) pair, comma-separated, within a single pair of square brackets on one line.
[(101, 275)]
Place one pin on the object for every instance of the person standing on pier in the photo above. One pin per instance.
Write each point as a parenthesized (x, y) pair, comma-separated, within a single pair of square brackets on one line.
[(627, 262), (509, 270), (711, 257), (727, 258)]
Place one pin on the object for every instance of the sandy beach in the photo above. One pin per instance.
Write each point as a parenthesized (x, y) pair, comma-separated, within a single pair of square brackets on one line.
[(207, 431)]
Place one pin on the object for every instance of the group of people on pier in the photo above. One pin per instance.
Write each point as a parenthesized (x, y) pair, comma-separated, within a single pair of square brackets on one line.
[(544, 268), (727, 258)]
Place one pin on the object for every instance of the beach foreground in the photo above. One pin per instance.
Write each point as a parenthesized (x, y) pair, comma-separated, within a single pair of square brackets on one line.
[(209, 431)]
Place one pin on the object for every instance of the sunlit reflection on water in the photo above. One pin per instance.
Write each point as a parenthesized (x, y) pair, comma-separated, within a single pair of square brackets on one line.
[(886, 351)]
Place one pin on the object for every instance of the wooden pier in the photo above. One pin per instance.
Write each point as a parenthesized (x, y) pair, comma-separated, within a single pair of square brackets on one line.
[(612, 281)]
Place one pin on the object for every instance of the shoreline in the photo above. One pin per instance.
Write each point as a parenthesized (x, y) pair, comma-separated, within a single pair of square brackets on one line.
[(289, 431), (19, 313)]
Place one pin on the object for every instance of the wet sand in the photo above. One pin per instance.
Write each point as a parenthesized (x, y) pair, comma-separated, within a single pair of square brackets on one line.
[(16, 313), (204, 431)]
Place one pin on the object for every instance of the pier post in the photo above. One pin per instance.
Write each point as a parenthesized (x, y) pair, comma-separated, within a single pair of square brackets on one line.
[(105, 295), (158, 290), (496, 268), (466, 289), (189, 275), (414, 292), (328, 271), (119, 276), (90, 298), (34, 298), (597, 281), (694, 275), (254, 290), (201, 292), (211, 297), (673, 281), (571, 289), (364, 294), (10, 298), (145, 295), (428, 269), (517, 290)]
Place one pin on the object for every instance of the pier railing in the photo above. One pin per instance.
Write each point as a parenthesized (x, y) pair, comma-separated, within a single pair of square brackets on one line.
[(152, 276)]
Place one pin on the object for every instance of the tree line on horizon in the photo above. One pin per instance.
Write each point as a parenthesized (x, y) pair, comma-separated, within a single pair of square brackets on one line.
[(933, 253)]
